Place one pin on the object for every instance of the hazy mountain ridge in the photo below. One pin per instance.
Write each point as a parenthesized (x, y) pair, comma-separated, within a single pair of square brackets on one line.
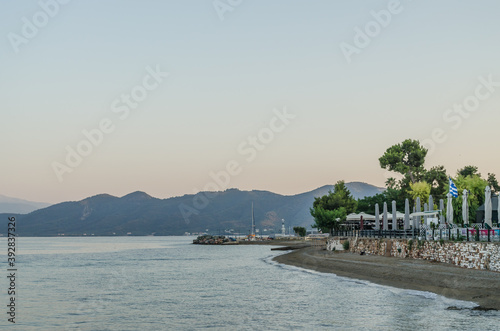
[(19, 206), (138, 213)]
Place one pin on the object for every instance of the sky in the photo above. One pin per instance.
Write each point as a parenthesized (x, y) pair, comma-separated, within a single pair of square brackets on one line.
[(176, 97)]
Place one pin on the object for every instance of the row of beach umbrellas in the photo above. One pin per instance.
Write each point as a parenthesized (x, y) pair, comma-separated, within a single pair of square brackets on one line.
[(488, 207), (428, 212)]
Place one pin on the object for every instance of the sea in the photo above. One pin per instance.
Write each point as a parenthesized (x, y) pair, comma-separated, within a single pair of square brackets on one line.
[(167, 283)]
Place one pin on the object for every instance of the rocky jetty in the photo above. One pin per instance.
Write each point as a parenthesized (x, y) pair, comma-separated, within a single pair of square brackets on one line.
[(210, 240)]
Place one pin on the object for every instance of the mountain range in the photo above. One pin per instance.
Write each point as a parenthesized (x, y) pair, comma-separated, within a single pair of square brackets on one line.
[(19, 206), (140, 214)]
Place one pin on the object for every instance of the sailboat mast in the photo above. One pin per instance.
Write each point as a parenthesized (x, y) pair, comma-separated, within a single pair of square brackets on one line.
[(253, 222)]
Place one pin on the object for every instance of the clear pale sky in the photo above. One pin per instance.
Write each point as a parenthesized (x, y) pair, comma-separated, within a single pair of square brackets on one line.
[(226, 81)]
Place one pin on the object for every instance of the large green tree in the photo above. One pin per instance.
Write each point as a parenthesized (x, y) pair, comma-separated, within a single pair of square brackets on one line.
[(406, 158), (340, 197), (330, 210), (327, 220)]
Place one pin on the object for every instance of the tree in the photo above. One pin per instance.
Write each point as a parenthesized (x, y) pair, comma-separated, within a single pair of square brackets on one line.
[(421, 190), (475, 186), (332, 209), (438, 180), (340, 197), (397, 195), (406, 158), (392, 183), (493, 183), (468, 171), (367, 204), (326, 220), (300, 230)]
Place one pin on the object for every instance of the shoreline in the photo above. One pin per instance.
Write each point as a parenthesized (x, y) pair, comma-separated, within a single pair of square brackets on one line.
[(479, 286)]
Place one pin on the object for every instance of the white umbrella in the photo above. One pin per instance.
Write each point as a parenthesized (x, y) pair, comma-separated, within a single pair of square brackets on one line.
[(386, 226), (416, 220), (394, 216), (399, 216), (465, 207), (377, 217), (449, 210), (498, 210), (407, 215), (431, 203), (441, 206), (424, 213), (367, 217), (352, 217), (487, 206)]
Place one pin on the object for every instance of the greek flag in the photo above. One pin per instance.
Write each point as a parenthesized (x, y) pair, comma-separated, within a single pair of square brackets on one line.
[(453, 189)]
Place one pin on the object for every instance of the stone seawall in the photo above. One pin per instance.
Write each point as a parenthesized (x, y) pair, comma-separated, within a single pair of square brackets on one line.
[(473, 255)]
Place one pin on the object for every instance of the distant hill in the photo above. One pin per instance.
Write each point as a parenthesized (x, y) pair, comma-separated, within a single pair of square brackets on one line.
[(140, 214), (19, 206)]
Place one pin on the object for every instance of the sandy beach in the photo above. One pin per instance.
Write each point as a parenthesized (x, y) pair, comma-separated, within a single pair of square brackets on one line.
[(479, 286)]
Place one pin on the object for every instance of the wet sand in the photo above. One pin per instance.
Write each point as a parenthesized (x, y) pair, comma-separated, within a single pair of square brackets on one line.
[(479, 286)]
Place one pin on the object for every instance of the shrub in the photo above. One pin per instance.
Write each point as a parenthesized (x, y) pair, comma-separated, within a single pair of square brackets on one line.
[(441, 242), (346, 245), (300, 230), (410, 244)]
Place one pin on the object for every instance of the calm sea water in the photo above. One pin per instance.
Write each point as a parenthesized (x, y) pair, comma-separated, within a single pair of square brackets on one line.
[(166, 283)]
